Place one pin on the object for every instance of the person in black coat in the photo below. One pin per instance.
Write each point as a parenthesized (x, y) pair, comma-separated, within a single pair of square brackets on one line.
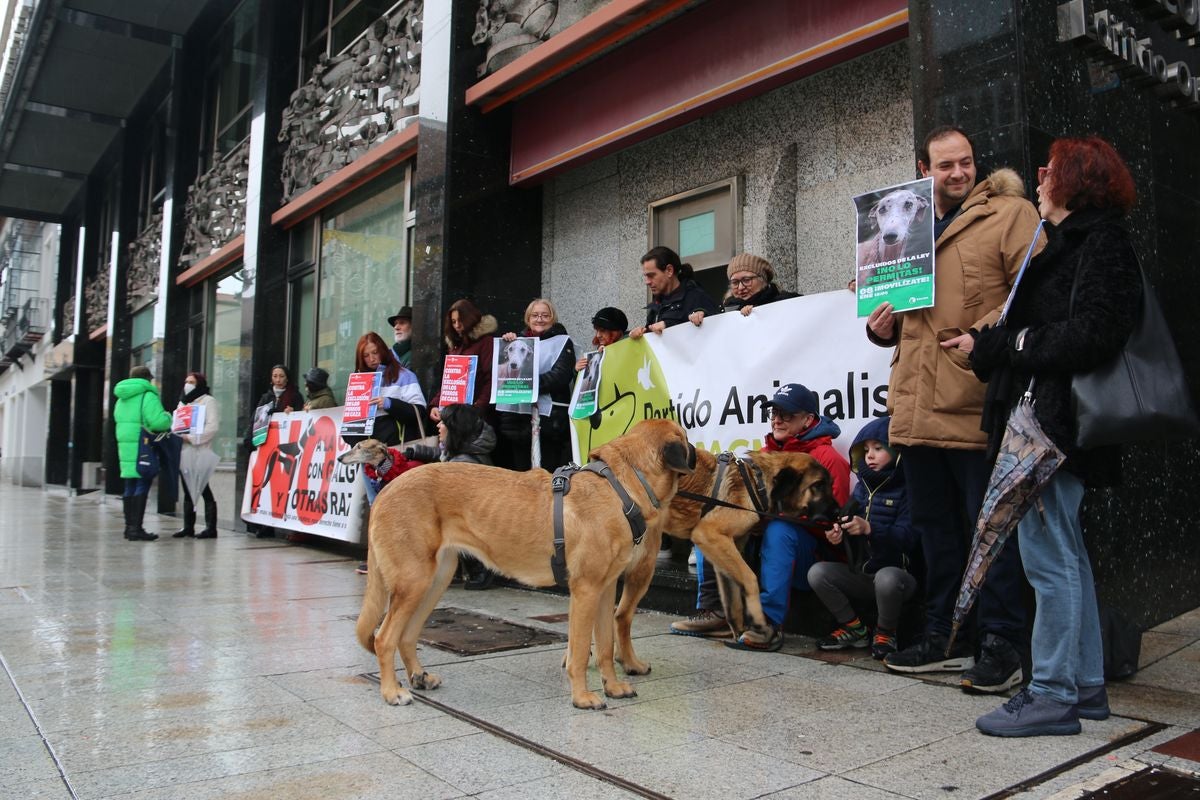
[(554, 388), (1072, 310), (675, 297)]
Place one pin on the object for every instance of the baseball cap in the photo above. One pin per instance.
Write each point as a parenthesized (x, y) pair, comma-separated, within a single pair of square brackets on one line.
[(794, 398)]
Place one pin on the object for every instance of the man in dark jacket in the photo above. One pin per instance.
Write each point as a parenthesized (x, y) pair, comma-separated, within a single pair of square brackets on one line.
[(675, 296), (401, 323), (879, 543)]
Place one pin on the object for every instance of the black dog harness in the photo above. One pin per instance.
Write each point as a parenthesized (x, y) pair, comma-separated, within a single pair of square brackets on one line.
[(756, 487), (560, 484)]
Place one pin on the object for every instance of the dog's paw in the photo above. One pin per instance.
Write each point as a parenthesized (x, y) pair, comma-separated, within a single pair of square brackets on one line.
[(589, 700), (619, 689), (424, 680), (634, 666), (400, 697)]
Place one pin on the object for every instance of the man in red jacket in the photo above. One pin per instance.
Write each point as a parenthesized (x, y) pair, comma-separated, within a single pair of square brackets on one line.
[(788, 550)]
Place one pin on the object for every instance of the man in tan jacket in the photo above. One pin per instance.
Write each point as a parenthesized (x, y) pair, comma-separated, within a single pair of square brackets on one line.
[(982, 231)]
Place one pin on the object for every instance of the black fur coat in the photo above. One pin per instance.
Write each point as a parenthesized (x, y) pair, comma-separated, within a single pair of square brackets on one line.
[(1059, 341)]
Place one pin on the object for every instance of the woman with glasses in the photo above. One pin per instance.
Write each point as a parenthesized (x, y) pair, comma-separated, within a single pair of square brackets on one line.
[(751, 283), (1072, 311), (556, 371)]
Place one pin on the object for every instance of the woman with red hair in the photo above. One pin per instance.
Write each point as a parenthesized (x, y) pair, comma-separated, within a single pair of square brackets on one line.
[(400, 400), (1071, 311)]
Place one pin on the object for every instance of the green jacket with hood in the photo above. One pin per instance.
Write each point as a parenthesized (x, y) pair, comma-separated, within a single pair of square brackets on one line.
[(138, 406)]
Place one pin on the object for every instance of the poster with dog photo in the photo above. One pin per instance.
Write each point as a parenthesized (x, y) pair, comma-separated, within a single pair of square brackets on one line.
[(514, 377), (894, 251), (358, 415), (587, 386), (262, 423)]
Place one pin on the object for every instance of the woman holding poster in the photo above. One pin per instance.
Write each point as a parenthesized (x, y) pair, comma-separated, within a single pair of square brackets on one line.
[(400, 400), (556, 372), (197, 457), (468, 332)]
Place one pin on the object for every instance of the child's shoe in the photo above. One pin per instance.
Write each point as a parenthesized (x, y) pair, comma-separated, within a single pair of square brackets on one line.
[(852, 634), (882, 644)]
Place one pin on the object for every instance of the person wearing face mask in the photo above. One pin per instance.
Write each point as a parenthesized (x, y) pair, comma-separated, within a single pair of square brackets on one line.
[(401, 323), (196, 392)]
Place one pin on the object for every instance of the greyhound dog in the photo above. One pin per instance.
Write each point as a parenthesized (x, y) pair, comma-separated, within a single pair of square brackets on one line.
[(893, 217), (516, 360)]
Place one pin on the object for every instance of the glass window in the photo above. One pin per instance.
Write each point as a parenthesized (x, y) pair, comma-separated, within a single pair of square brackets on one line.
[(363, 274), (225, 348), (304, 322), (227, 92), (143, 327), (700, 225)]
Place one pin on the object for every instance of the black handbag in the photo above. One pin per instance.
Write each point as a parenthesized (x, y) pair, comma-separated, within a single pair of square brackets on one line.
[(1122, 643), (1140, 395)]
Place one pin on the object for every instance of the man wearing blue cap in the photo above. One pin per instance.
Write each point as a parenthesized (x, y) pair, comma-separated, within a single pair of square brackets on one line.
[(788, 550)]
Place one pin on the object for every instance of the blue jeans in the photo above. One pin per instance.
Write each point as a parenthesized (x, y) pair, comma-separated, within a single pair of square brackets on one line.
[(136, 487), (787, 553), (1067, 652)]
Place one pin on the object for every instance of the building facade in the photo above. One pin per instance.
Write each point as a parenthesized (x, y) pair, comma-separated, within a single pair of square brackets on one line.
[(230, 185)]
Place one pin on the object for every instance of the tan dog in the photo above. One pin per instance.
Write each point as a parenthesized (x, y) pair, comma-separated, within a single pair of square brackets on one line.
[(367, 451), (421, 522), (796, 484)]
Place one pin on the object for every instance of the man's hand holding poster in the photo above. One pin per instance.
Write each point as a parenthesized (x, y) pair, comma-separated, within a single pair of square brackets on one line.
[(894, 256)]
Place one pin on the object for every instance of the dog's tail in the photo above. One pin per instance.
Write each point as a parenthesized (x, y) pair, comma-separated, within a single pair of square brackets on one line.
[(374, 605)]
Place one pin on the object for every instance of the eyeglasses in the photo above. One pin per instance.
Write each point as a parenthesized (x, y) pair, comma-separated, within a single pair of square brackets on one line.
[(736, 282), (782, 416), (540, 315), (1043, 173)]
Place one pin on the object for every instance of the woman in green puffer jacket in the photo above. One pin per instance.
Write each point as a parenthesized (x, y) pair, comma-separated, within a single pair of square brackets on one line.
[(138, 406)]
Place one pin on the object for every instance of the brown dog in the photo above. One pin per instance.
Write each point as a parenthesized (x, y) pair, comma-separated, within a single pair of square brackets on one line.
[(796, 484), (421, 522)]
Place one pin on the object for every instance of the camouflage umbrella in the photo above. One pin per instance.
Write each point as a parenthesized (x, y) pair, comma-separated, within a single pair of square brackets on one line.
[(1026, 461)]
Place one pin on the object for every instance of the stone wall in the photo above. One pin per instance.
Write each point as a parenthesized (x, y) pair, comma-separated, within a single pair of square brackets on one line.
[(803, 150)]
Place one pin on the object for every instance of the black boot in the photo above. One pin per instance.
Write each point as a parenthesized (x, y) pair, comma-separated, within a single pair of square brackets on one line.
[(137, 512), (189, 520), (210, 516), (131, 531)]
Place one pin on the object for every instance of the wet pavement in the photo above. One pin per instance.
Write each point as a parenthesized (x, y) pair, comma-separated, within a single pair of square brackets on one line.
[(228, 668)]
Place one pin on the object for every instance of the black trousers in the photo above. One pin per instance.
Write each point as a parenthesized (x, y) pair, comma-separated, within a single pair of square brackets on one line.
[(945, 491), (189, 507)]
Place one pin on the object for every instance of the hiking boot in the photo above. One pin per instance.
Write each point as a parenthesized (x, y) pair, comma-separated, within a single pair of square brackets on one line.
[(845, 636), (705, 622), (997, 669), (1093, 702), (929, 655), (1029, 714), (752, 640), (883, 645)]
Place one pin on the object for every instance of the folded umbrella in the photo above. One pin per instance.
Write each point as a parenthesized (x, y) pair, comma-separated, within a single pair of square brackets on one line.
[(196, 466), (1027, 459)]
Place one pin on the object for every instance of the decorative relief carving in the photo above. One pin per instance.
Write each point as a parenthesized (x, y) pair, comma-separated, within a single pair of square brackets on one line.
[(95, 300), (216, 206), (144, 255), (353, 101), (68, 316), (511, 28)]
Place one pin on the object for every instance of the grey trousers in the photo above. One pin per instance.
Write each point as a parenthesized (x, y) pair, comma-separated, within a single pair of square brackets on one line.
[(837, 585)]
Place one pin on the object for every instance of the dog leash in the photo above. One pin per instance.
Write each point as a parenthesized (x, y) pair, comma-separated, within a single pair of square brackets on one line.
[(811, 527), (560, 484)]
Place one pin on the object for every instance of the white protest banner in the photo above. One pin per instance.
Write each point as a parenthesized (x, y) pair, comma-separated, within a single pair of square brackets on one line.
[(716, 380), (295, 481)]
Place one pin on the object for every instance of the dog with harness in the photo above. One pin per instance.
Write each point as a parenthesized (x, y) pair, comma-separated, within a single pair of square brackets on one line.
[(421, 522), (718, 506)]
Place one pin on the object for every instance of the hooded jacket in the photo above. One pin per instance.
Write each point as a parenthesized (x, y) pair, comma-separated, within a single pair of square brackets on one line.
[(934, 398), (138, 406), (479, 343), (817, 441), (892, 541)]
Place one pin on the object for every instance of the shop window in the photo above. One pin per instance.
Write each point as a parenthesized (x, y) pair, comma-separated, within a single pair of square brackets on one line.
[(703, 226), (226, 355), (227, 98)]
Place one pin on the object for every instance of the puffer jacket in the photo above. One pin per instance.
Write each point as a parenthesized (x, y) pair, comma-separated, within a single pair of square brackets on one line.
[(476, 451), (817, 441), (138, 406), (933, 396), (892, 541)]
